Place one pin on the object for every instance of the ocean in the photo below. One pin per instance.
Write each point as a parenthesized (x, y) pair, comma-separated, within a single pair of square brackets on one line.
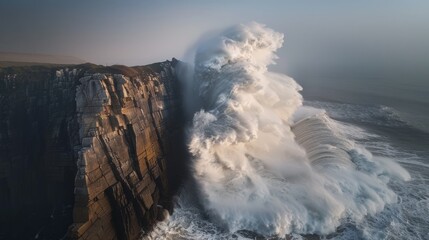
[(270, 160)]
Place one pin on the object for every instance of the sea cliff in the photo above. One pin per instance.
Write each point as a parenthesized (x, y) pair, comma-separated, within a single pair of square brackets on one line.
[(85, 149)]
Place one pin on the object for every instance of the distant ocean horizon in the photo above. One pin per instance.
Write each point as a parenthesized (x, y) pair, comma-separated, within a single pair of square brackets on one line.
[(410, 100)]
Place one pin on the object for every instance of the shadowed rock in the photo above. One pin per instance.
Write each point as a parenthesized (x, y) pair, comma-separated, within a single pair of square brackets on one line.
[(86, 148)]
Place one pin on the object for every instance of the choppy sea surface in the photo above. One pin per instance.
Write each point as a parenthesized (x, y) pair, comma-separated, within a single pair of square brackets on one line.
[(380, 130), (269, 164)]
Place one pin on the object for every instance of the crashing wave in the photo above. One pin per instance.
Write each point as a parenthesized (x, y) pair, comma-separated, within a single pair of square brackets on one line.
[(261, 161)]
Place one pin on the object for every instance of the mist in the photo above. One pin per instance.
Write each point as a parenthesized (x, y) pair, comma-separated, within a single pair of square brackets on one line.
[(263, 162), (369, 52), (326, 44), (318, 34)]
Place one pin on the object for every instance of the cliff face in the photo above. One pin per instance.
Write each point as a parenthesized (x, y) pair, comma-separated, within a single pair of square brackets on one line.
[(38, 130), (86, 148)]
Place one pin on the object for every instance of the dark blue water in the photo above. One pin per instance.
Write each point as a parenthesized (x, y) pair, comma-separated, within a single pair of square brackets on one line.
[(388, 135), (382, 131)]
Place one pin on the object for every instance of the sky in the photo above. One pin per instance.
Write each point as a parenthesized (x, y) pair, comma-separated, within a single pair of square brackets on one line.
[(320, 36), (136, 32), (372, 50)]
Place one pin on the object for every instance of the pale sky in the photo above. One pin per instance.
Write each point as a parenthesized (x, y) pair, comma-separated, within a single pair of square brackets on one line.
[(319, 34)]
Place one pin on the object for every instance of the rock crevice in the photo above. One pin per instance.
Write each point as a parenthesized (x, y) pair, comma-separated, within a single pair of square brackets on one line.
[(108, 130)]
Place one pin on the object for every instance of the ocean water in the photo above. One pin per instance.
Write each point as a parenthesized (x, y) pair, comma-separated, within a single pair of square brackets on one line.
[(270, 164), (380, 132)]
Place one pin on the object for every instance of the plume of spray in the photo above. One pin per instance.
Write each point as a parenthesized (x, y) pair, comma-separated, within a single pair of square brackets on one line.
[(260, 160)]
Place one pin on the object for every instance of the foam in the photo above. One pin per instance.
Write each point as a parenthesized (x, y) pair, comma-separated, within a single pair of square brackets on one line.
[(264, 163)]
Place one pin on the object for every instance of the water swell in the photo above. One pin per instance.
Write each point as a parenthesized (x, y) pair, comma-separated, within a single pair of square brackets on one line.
[(260, 163), (379, 115)]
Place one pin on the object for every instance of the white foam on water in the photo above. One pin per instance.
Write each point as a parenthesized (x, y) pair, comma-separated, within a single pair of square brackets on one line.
[(262, 162)]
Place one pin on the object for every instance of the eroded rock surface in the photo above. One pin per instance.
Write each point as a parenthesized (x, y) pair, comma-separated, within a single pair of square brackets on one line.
[(89, 145)]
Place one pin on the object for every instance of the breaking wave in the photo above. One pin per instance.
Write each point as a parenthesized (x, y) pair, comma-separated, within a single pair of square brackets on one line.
[(264, 163)]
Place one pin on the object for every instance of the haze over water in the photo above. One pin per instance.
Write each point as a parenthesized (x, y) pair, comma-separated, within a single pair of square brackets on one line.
[(266, 164), (363, 64), (359, 51)]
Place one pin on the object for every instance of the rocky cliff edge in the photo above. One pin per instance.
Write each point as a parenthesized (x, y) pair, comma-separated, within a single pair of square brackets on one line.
[(85, 149)]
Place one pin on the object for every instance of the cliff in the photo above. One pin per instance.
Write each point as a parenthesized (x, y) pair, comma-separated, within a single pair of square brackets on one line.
[(85, 149)]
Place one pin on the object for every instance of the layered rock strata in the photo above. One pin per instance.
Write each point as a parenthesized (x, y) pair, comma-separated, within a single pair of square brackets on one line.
[(86, 148)]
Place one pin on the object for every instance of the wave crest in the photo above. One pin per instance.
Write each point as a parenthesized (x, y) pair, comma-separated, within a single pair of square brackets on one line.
[(258, 170)]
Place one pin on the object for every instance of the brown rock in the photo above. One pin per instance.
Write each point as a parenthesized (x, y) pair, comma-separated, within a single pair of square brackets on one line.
[(90, 137)]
